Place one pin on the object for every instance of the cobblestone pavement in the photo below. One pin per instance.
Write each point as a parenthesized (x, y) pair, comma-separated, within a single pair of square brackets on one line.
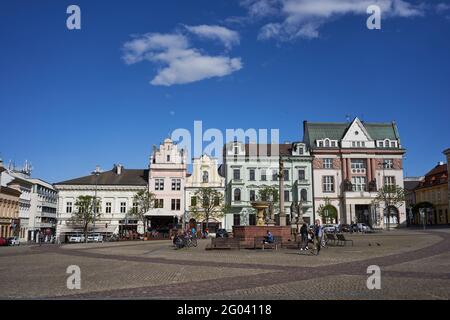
[(414, 265)]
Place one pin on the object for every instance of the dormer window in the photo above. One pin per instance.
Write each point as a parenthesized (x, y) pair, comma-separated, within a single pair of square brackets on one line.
[(205, 177)]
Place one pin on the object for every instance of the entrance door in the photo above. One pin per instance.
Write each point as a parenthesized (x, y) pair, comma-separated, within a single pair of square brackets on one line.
[(362, 213)]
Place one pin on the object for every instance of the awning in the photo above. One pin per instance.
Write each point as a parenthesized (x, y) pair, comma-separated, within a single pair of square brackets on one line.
[(162, 213)]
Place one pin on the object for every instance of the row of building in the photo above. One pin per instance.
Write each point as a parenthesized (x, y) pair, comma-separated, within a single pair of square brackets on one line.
[(339, 166), (428, 197)]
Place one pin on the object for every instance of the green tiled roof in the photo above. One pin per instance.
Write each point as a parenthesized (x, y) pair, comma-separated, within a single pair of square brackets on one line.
[(336, 131)]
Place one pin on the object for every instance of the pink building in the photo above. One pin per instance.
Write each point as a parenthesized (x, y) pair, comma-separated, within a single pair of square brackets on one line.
[(167, 177)]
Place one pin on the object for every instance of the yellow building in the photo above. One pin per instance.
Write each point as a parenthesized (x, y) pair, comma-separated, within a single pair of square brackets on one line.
[(9, 210), (432, 193)]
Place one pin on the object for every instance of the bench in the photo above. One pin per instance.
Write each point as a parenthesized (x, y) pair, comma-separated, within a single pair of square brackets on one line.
[(341, 239), (260, 242), (331, 237), (225, 243)]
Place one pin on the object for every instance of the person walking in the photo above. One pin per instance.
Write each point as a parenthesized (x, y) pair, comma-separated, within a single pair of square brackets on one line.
[(318, 234), (304, 237)]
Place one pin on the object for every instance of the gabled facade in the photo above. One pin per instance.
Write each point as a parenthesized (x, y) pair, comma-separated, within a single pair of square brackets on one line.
[(352, 161), (251, 167), (167, 177), (447, 154), (205, 174)]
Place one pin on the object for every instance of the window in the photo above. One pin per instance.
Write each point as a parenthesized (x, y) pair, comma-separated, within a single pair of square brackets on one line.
[(123, 207), (237, 194), (286, 174), (320, 144), (389, 181), (328, 183), (300, 150), (205, 176), (236, 150), (69, 207), (263, 175), (108, 207), (252, 195), (304, 195), (388, 163), (237, 219), (252, 219), (392, 144), (327, 163), (135, 207), (287, 195), (159, 203), (333, 144), (176, 184), (168, 158), (237, 174), (176, 204), (358, 164), (301, 174), (274, 175), (159, 184), (252, 174), (216, 201), (193, 201), (327, 143), (359, 183), (386, 144)]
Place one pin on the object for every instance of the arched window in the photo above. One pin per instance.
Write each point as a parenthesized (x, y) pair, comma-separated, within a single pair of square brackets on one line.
[(327, 143), (205, 177), (304, 195), (237, 194)]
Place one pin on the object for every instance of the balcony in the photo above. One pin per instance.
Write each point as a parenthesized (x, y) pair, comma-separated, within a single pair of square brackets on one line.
[(46, 225), (237, 182), (48, 215)]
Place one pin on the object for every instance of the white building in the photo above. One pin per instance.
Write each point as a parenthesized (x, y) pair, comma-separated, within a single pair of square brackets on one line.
[(352, 161), (205, 174), (251, 167), (115, 189), (167, 176), (37, 203)]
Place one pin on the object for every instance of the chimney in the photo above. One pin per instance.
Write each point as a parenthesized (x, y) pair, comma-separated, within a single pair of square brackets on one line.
[(119, 168)]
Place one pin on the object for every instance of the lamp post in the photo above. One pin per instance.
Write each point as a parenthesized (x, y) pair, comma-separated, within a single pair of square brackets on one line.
[(386, 204), (96, 173)]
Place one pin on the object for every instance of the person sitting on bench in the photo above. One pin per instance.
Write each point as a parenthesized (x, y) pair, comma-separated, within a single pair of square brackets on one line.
[(269, 237)]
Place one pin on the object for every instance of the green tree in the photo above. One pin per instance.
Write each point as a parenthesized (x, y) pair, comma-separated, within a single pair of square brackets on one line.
[(327, 212), (209, 204), (391, 196), (143, 202), (84, 213)]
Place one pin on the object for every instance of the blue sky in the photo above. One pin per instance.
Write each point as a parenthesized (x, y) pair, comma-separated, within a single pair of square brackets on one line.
[(69, 100)]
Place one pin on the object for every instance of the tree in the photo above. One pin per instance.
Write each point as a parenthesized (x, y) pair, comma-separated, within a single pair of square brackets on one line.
[(391, 196), (269, 194), (84, 213), (210, 204), (327, 212), (143, 202)]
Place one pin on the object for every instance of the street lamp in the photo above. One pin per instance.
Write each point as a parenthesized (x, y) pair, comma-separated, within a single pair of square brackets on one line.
[(96, 172), (386, 204)]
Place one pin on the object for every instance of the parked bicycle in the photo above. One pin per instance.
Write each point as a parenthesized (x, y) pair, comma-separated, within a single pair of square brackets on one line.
[(185, 241)]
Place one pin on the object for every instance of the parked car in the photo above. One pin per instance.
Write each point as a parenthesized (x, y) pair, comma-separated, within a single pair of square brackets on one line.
[(77, 238), (362, 227), (344, 227), (330, 228), (222, 233), (96, 237), (14, 241), (3, 242)]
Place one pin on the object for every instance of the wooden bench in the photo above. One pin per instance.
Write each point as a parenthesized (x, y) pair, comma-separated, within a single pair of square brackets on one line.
[(341, 239), (260, 243), (225, 243)]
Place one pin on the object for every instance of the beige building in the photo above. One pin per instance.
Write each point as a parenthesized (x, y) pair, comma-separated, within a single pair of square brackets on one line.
[(9, 208), (432, 194)]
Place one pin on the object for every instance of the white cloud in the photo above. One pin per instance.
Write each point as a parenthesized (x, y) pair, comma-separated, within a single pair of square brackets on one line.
[(303, 18), (442, 7), (228, 37), (179, 62)]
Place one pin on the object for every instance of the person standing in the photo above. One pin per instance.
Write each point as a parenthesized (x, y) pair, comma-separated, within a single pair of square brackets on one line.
[(304, 237), (318, 234)]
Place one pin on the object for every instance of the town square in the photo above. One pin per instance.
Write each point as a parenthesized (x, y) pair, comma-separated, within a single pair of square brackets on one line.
[(247, 150)]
